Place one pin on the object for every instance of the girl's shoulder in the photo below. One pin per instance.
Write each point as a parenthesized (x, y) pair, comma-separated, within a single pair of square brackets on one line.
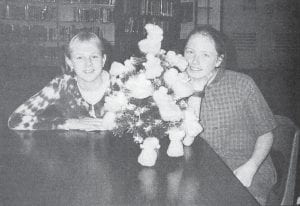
[(239, 79), (241, 84), (58, 84), (63, 80)]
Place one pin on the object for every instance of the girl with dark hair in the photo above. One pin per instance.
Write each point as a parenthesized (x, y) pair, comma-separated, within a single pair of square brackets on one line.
[(237, 121)]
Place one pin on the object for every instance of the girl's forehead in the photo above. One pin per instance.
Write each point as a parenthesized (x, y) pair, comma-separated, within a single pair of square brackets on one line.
[(201, 42), (86, 43), (84, 46)]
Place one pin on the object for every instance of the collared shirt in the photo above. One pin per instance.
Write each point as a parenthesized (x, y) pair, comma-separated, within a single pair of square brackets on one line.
[(59, 100), (234, 114)]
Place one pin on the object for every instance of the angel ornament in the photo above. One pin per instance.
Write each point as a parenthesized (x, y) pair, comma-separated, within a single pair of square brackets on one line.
[(149, 147), (191, 123), (175, 148), (191, 115)]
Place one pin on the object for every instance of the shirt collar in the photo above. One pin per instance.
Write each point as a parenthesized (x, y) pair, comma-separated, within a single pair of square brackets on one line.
[(220, 74)]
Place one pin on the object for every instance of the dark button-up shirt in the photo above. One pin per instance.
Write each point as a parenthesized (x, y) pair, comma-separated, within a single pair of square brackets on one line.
[(234, 114)]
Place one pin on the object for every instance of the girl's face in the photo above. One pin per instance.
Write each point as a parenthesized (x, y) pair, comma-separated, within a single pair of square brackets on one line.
[(86, 60), (201, 54)]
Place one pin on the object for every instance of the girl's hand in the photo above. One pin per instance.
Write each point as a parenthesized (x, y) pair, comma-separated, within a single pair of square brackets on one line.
[(86, 124), (245, 173)]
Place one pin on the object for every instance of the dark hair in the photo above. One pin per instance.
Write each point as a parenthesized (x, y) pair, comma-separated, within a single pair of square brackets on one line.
[(83, 36), (213, 34)]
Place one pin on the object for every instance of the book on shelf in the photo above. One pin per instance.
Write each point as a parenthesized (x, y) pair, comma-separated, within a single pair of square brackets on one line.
[(30, 12), (100, 1), (14, 11), (52, 34), (37, 33), (100, 14), (158, 8), (50, 1), (29, 32), (130, 25), (65, 13), (135, 24), (50, 53), (108, 32), (66, 32), (40, 13), (2, 11), (187, 12), (41, 1), (108, 2)]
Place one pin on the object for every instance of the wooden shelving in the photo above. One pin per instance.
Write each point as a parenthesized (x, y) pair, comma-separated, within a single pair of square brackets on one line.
[(48, 25), (133, 15)]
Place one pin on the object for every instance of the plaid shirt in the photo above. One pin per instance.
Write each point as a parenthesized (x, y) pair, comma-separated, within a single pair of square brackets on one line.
[(234, 114), (56, 102)]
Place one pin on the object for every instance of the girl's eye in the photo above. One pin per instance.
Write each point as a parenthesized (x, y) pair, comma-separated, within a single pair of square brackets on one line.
[(78, 57), (95, 57)]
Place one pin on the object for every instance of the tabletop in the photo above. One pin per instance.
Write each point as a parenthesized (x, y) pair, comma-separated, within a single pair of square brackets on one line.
[(96, 168)]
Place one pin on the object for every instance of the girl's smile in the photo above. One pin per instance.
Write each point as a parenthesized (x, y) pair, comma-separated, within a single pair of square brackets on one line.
[(195, 68), (89, 71)]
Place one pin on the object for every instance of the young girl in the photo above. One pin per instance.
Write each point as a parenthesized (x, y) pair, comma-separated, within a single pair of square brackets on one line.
[(237, 120), (70, 101)]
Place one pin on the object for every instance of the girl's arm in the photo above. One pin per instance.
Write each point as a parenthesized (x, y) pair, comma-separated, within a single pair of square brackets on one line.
[(246, 172), (28, 116), (263, 123)]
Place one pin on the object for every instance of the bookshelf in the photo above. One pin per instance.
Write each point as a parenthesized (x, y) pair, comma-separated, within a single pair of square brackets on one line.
[(198, 13), (45, 27), (133, 15), (209, 12), (188, 17)]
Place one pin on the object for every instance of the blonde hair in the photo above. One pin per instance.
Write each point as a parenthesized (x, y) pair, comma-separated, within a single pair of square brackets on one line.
[(85, 36)]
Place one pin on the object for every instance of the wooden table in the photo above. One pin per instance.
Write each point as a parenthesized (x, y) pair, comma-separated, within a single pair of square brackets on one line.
[(53, 168)]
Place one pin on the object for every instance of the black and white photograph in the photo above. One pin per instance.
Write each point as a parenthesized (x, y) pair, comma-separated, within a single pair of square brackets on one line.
[(149, 102)]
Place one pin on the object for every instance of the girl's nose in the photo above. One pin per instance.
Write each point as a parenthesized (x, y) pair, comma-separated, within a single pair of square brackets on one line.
[(89, 61), (195, 59)]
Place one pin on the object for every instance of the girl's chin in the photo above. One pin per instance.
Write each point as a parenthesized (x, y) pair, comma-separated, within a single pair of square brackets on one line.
[(89, 78)]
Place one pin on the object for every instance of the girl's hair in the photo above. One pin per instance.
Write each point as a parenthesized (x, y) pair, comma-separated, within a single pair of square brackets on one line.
[(213, 34), (84, 36)]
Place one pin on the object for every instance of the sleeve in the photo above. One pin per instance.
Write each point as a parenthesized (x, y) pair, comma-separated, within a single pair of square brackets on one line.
[(259, 112), (29, 115)]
